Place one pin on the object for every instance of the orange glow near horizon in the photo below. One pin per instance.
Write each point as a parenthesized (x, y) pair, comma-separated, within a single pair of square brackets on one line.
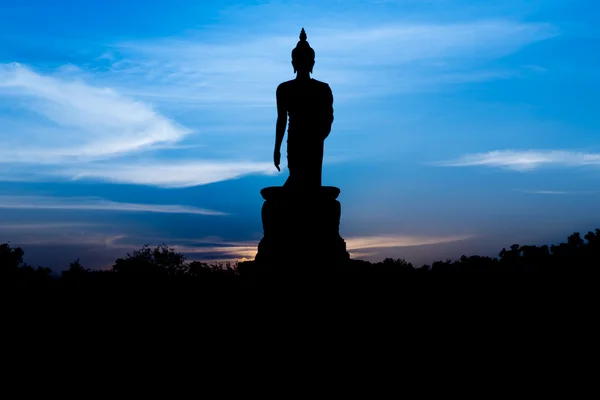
[(357, 247)]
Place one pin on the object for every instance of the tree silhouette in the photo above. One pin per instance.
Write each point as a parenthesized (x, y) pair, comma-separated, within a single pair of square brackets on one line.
[(10, 259), (75, 272), (394, 265), (162, 263), (161, 260)]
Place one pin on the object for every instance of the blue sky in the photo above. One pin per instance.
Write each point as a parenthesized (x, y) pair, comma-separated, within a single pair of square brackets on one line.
[(461, 127)]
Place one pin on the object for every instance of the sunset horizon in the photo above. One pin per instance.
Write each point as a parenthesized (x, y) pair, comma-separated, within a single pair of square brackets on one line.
[(460, 127)]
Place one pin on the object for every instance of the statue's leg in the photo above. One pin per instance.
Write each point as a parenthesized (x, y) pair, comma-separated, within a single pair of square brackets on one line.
[(314, 166), (305, 164), (291, 163), (319, 164), (297, 164)]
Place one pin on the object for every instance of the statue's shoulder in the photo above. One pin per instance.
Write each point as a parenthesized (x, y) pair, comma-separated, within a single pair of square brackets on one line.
[(284, 85), (322, 85), (318, 82)]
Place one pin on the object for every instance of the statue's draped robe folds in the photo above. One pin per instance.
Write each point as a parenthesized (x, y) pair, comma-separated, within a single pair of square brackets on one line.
[(309, 105)]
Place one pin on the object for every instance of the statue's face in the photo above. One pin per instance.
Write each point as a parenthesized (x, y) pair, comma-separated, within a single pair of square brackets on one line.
[(303, 66)]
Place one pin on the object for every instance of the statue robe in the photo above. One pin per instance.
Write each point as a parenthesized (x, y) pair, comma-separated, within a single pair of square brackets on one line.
[(309, 105)]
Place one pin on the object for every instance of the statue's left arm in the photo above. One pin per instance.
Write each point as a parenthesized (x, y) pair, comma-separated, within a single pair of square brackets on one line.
[(328, 111), (281, 124)]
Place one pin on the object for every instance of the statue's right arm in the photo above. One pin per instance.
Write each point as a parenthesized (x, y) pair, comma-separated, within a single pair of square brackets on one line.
[(281, 118)]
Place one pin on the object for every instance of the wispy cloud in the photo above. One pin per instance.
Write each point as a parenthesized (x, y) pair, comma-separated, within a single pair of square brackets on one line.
[(222, 251), (556, 192), (93, 235), (95, 204), (551, 192), (75, 121), (42, 226), (362, 61), (525, 160), (65, 128), (94, 241), (170, 175), (377, 242), (99, 120)]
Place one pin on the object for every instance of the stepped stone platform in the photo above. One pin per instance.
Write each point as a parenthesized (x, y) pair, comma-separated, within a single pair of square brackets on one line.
[(301, 228)]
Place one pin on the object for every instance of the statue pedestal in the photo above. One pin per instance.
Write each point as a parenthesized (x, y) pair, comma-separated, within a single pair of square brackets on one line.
[(301, 229)]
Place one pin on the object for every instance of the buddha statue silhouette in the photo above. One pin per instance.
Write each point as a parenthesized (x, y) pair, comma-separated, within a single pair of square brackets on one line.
[(302, 214), (309, 105)]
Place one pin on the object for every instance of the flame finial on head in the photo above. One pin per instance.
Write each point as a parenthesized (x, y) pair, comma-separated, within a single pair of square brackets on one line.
[(303, 35), (303, 49)]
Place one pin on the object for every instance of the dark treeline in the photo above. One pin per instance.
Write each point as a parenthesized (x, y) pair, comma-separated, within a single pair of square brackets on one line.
[(163, 263)]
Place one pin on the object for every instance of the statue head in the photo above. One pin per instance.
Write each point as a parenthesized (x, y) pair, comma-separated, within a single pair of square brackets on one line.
[(303, 56)]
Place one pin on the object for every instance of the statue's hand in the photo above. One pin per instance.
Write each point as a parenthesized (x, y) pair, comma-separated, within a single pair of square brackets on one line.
[(277, 159)]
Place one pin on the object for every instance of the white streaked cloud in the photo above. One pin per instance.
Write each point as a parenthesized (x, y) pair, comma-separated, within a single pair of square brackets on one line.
[(550, 192), (363, 61), (170, 175), (93, 240), (98, 121), (376, 242), (378, 247), (54, 127), (44, 226), (557, 192), (67, 120), (95, 204), (93, 235), (219, 251), (526, 160)]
